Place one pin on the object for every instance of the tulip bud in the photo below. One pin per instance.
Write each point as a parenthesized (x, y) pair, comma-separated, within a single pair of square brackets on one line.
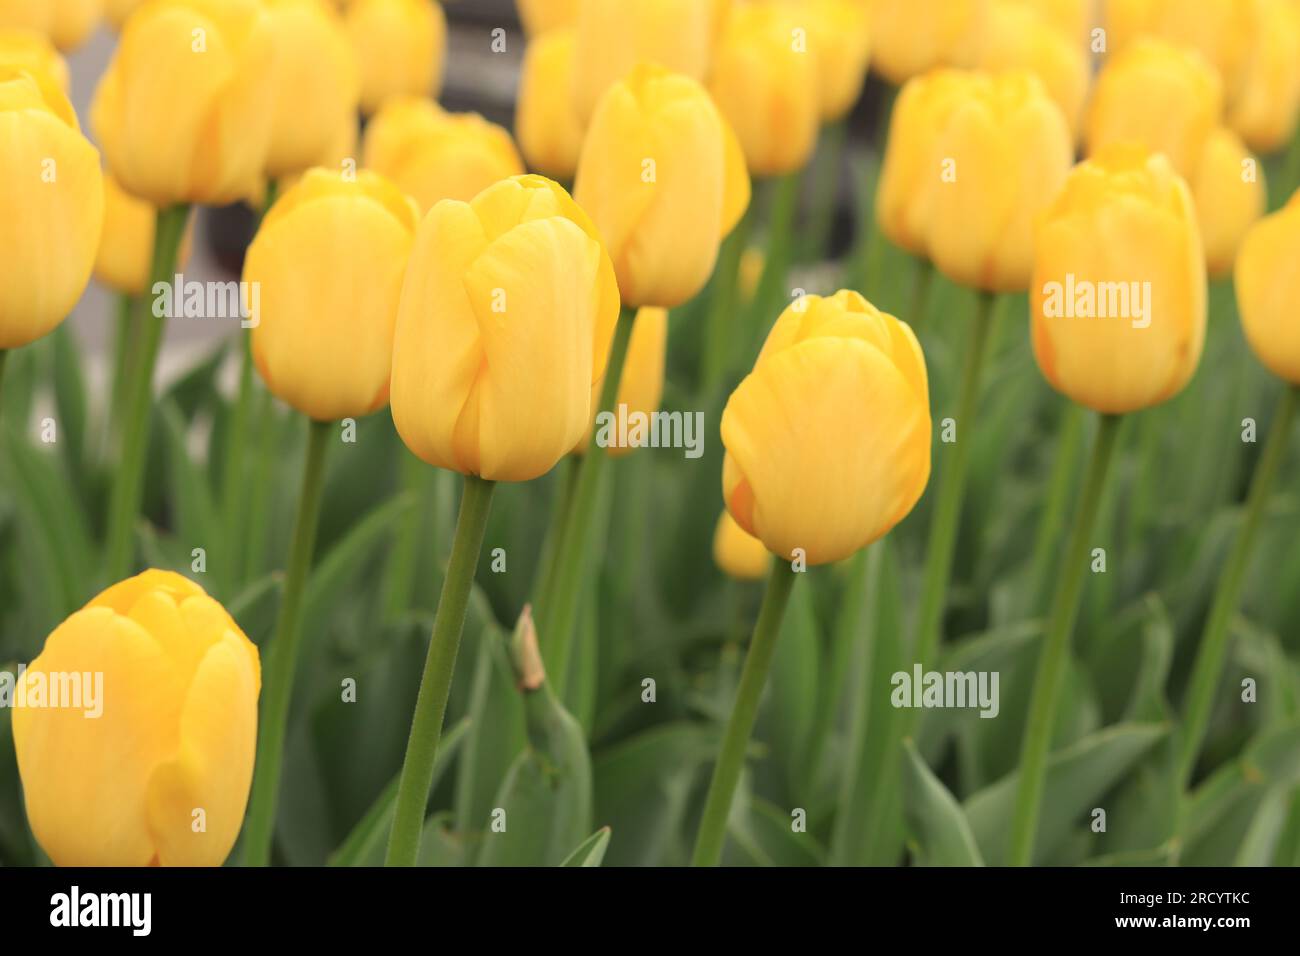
[(434, 155), (126, 241), (910, 37), (1268, 290), (664, 180), (74, 21), (765, 82), (51, 207), (541, 16), (1163, 96), (316, 85), (328, 263), (737, 552), (400, 47), (1117, 304), (160, 774), (1267, 103), (1219, 30), (29, 51), (184, 110), (839, 36), (1230, 194), (828, 438), (641, 386), (506, 319), (546, 123)]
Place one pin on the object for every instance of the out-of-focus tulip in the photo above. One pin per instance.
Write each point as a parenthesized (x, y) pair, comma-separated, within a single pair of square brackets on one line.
[(30, 51), (184, 110), (546, 123), (613, 36), (51, 206), (126, 243), (1230, 195), (400, 48), (1163, 96), (840, 38), (664, 180), (328, 263), (539, 16), (435, 155), (118, 10), (1117, 304), (506, 319), (74, 21), (1267, 103), (1073, 19), (642, 385), (737, 552), (909, 37), (1268, 290), (1220, 30), (35, 15), (316, 84), (765, 82), (167, 743), (828, 438)]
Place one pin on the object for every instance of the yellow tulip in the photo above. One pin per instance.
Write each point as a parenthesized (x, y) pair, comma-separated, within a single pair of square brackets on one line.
[(74, 21), (126, 241), (662, 176), (176, 683), (328, 263), (184, 111), (1268, 290), (1163, 96), (910, 37), (1073, 19), (615, 35), (316, 84), (118, 10), (839, 36), (506, 319), (539, 16), (35, 15), (1267, 103), (641, 387), (1230, 195), (1117, 304), (30, 51), (400, 47), (828, 438), (435, 155), (546, 123), (737, 552), (51, 207), (765, 82)]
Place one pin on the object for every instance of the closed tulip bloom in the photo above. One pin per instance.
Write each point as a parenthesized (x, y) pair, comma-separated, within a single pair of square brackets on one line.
[(122, 780), (1268, 290), (1267, 103), (1117, 304), (316, 84), (910, 37), (840, 38), (126, 242), (400, 47), (328, 262), (828, 438), (74, 21), (51, 207), (30, 51), (539, 16), (737, 552), (765, 82), (613, 36), (546, 123), (435, 155), (641, 387), (506, 319), (1220, 30), (184, 111), (1230, 194), (1073, 19), (664, 180), (1163, 96)]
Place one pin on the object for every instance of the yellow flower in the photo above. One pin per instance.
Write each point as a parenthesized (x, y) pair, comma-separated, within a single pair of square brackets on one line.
[(737, 552), (126, 241), (184, 111), (436, 155), (641, 386), (910, 37), (51, 207), (1163, 96), (328, 263), (662, 176), (615, 35), (828, 438), (118, 10), (1268, 290), (1230, 195), (175, 684), (74, 21), (1267, 103), (539, 16), (400, 47), (28, 15), (506, 318), (1117, 304), (1073, 19), (30, 51), (765, 82), (840, 39), (316, 88), (546, 123)]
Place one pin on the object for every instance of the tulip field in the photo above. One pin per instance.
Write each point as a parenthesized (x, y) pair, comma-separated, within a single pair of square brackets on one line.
[(765, 433)]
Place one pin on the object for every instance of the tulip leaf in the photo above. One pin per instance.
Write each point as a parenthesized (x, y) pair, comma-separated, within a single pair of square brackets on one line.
[(793, 693), (591, 851), (196, 514), (70, 403), (938, 826)]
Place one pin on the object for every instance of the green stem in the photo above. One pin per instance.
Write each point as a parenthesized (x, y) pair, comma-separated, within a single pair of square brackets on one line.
[(399, 577), (1055, 652), (4, 353), (1058, 492), (558, 520), (731, 759), (124, 355), (232, 475), (922, 283), (826, 181), (720, 326), (1227, 592), (259, 489), (124, 503), (439, 666), (282, 658), (776, 264)]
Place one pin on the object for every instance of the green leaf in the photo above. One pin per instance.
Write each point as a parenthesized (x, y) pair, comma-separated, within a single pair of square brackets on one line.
[(591, 851), (70, 403), (190, 495), (938, 826), (794, 689)]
